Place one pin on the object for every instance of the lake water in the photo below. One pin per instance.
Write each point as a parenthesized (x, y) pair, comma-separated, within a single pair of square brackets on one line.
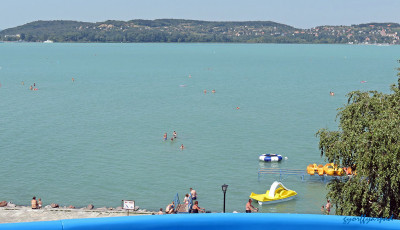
[(99, 139)]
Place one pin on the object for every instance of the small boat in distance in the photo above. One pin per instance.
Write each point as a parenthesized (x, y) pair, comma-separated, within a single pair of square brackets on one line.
[(48, 41), (276, 194)]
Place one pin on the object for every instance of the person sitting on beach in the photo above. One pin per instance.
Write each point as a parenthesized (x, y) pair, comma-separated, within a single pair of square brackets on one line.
[(170, 208), (40, 203), (196, 208), (194, 194), (160, 212), (34, 203), (249, 207)]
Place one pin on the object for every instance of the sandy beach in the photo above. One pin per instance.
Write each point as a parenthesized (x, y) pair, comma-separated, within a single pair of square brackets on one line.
[(26, 214)]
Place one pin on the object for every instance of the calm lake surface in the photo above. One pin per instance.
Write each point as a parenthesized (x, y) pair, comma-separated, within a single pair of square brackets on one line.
[(99, 140)]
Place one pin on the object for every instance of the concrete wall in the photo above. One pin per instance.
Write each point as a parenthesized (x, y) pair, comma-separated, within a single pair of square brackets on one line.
[(228, 221)]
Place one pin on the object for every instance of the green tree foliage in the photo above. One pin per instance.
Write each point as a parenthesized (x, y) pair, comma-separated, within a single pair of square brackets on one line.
[(368, 141)]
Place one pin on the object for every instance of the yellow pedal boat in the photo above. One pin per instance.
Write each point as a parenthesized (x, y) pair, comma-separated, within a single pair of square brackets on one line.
[(277, 193)]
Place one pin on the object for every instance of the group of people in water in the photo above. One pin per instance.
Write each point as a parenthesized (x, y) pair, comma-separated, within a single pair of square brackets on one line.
[(212, 91), (174, 136)]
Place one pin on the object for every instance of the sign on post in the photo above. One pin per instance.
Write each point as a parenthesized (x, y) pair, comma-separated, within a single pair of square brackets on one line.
[(128, 205)]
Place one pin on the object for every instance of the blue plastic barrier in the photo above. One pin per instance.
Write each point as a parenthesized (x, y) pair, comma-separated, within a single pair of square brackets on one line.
[(228, 221)]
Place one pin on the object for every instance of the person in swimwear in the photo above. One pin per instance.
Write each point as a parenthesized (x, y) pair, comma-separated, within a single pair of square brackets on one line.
[(328, 207), (174, 134), (196, 208), (165, 136), (250, 207), (34, 203), (170, 208), (193, 193), (213, 91), (31, 88), (182, 147), (40, 203)]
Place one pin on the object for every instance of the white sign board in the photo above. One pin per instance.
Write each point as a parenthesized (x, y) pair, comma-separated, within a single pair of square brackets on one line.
[(128, 204)]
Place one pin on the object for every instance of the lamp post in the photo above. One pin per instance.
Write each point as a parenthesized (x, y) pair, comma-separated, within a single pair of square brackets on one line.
[(224, 188)]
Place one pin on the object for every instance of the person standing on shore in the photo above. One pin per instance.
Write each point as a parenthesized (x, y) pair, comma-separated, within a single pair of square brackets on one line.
[(186, 200), (194, 194), (249, 207), (34, 203), (328, 207)]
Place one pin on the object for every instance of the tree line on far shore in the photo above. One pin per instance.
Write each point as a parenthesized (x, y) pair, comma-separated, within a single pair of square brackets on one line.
[(178, 30)]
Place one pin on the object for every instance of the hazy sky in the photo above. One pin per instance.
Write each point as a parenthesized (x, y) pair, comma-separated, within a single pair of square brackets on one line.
[(297, 13)]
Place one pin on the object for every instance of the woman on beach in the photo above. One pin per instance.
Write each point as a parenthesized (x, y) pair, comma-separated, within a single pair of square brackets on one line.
[(196, 208), (34, 203)]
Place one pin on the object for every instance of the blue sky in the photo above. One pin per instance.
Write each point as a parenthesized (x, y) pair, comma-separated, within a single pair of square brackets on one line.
[(297, 13)]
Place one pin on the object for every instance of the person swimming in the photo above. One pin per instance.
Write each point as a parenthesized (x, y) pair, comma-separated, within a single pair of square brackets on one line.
[(165, 136), (182, 147)]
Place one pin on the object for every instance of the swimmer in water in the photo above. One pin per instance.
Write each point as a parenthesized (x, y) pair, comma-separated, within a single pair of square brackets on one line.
[(332, 93), (182, 147), (73, 79), (174, 134), (172, 138), (165, 136), (205, 91), (31, 87), (213, 91), (238, 107)]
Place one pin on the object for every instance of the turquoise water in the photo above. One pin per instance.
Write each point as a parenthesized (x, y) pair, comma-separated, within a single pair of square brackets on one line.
[(99, 139)]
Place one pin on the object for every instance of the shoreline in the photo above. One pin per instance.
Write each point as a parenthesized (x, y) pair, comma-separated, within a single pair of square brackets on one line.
[(27, 214)]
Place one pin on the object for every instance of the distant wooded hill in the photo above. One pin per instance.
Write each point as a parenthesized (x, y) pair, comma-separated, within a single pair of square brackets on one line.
[(178, 30)]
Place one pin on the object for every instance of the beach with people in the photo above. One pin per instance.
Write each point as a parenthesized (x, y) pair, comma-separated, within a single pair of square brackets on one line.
[(15, 213)]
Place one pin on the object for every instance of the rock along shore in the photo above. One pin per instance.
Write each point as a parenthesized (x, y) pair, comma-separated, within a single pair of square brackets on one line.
[(13, 213)]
